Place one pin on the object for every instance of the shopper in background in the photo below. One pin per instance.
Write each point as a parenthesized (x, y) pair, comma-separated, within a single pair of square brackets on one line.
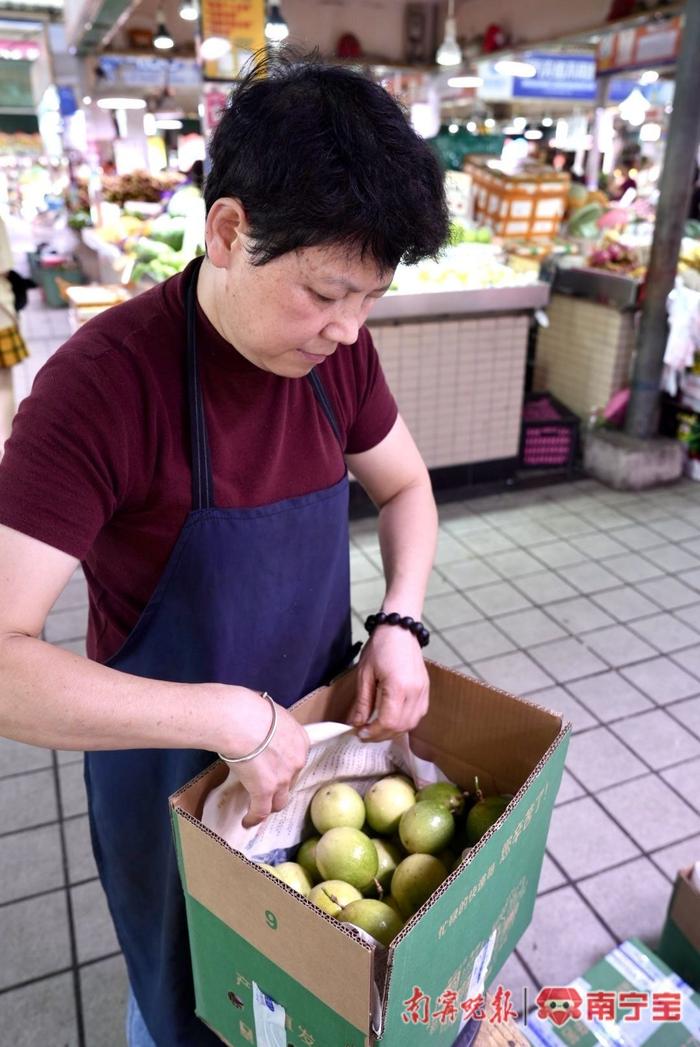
[(12, 347), (191, 449)]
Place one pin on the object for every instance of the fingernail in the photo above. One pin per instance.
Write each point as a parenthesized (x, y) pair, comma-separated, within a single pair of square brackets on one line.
[(364, 733)]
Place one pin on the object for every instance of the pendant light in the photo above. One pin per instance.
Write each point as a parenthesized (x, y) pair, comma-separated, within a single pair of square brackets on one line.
[(189, 10), (449, 52), (276, 29), (162, 40)]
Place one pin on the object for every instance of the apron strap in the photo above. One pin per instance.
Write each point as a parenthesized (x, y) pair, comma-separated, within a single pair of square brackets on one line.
[(322, 397), (202, 485)]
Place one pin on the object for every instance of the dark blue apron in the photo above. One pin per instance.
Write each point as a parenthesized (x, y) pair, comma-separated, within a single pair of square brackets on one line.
[(256, 597)]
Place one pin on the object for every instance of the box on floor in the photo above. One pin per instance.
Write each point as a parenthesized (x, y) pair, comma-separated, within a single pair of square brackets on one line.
[(680, 939), (248, 929)]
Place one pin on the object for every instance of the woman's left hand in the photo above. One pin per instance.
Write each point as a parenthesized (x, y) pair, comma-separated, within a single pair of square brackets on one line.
[(392, 681)]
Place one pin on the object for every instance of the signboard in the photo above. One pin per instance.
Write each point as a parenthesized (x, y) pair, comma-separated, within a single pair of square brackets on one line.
[(640, 48), (146, 71), (214, 100), (242, 23), (570, 77)]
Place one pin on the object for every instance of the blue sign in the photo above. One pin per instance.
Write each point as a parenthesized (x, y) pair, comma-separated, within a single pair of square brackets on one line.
[(67, 104), (569, 77)]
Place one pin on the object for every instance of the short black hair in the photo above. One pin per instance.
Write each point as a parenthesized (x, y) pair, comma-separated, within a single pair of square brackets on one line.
[(320, 154)]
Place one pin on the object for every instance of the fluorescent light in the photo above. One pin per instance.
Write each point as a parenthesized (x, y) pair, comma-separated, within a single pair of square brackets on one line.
[(189, 10), (650, 132), (634, 108), (547, 121), (489, 122), (149, 125), (121, 103), (87, 100), (214, 47), (533, 135), (169, 125), (276, 29), (649, 76), (465, 81), (510, 67), (453, 129)]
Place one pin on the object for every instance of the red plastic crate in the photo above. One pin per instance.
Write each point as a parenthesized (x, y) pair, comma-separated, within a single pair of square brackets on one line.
[(549, 433)]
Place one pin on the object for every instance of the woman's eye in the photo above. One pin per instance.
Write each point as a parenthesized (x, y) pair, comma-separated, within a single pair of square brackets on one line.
[(321, 297)]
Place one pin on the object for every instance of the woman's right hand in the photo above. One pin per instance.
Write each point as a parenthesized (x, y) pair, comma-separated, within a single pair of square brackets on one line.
[(269, 777)]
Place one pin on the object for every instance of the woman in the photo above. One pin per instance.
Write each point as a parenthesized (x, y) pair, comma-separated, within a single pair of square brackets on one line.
[(12, 347)]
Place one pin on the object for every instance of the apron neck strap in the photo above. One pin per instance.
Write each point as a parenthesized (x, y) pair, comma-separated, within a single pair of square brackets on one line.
[(202, 486)]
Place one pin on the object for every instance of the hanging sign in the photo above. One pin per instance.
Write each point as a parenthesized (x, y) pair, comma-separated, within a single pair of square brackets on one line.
[(641, 48), (570, 77), (214, 100), (242, 23)]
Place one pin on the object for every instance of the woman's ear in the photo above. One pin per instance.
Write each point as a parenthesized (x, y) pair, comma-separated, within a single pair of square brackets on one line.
[(225, 229)]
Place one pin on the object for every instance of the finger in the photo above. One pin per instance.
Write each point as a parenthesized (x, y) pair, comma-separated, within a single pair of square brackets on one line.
[(364, 700), (258, 809), (390, 717), (280, 799)]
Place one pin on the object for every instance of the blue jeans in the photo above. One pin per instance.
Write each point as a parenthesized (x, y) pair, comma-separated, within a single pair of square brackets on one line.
[(137, 1035)]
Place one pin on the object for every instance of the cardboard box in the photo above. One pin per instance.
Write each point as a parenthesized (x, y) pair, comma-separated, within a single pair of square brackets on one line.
[(680, 940), (247, 927), (629, 968)]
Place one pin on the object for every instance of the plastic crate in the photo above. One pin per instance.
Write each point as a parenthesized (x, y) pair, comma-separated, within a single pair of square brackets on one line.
[(527, 206), (549, 433), (45, 276)]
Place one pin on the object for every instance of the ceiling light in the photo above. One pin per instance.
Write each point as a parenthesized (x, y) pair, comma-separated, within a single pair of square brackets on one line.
[(453, 129), (510, 67), (465, 81), (471, 127), (121, 103), (449, 52), (650, 132), (533, 135), (489, 122), (547, 121), (189, 10), (87, 100), (162, 40), (169, 125), (649, 76), (634, 108), (519, 123), (276, 29), (214, 47)]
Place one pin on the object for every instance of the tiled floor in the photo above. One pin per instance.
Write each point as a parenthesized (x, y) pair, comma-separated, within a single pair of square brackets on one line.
[(585, 598)]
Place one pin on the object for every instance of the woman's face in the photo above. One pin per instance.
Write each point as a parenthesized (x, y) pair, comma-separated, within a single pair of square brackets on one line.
[(291, 314)]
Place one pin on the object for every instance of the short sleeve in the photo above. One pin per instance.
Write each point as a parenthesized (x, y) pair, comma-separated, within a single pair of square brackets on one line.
[(66, 465), (376, 409)]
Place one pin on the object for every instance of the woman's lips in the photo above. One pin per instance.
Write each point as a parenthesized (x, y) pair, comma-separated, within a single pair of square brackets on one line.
[(315, 358)]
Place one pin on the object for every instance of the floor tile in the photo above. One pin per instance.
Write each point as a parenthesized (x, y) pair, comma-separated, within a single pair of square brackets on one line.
[(514, 563), (41, 1014), (625, 603), (662, 680), (34, 936), (73, 796), (544, 587), (551, 876), (689, 659), (74, 596), (16, 757), (672, 558), (558, 554), (498, 598), (579, 614), (469, 574), (692, 578), (440, 612), (468, 524), (685, 779), (566, 659), (367, 596), (687, 714), (94, 930), (556, 959), (483, 543), (650, 812), (692, 546), (361, 568), (667, 592), (443, 653), (104, 989), (618, 646), (665, 632), (568, 525), (632, 568), (569, 789), (438, 584), (66, 625), (560, 701), (477, 641), (514, 672), (598, 758), (679, 856), (609, 696), (674, 529), (632, 899), (30, 862), (646, 512), (657, 738), (584, 840), (589, 577), (27, 800), (529, 627), (598, 546), (690, 615), (606, 519), (526, 533), (81, 863), (449, 550), (637, 537)]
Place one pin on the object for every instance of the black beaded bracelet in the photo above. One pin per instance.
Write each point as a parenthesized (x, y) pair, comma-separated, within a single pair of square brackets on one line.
[(394, 618)]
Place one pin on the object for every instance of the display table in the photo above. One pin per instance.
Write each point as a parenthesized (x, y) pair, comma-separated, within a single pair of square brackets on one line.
[(585, 354), (455, 361)]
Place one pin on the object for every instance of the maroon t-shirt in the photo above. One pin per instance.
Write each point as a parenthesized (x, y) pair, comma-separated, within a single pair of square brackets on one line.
[(98, 461)]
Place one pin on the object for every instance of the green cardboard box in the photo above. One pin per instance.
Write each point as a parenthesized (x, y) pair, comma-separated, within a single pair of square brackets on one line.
[(249, 931), (630, 968), (680, 939)]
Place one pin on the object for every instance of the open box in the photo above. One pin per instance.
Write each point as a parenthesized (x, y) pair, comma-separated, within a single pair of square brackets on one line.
[(247, 927)]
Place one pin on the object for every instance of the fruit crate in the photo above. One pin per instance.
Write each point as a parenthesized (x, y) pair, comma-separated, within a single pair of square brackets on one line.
[(529, 205), (549, 433)]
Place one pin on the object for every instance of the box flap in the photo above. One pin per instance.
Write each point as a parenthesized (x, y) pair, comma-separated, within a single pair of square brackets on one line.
[(685, 908)]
